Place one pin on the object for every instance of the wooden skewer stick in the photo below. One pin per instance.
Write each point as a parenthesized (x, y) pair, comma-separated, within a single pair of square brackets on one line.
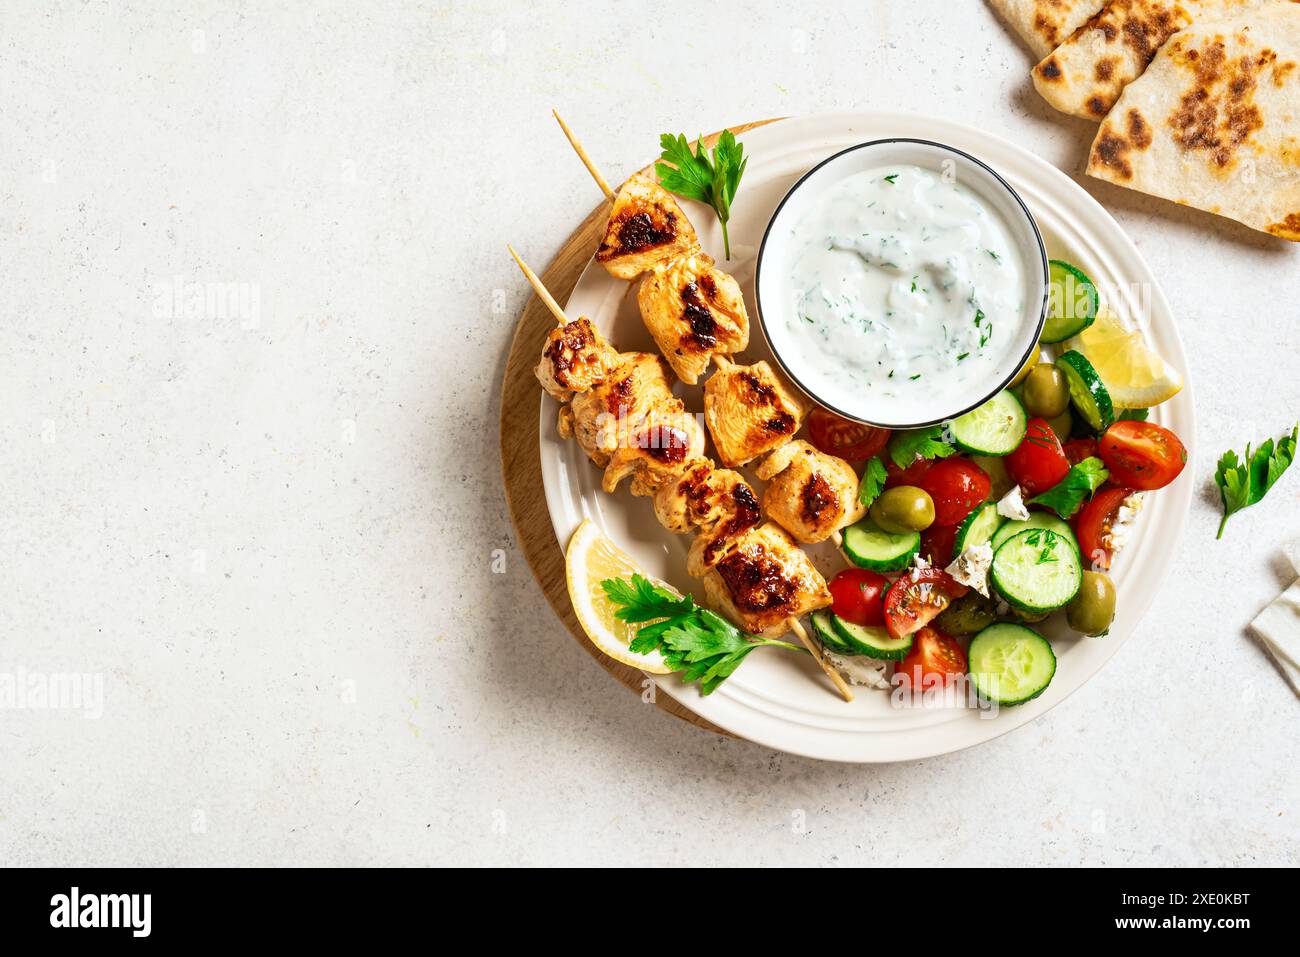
[(837, 539), (582, 155), (543, 293), (815, 650)]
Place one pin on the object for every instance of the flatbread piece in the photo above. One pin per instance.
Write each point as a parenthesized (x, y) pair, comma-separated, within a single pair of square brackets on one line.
[(1214, 122), (1085, 75), (1045, 24)]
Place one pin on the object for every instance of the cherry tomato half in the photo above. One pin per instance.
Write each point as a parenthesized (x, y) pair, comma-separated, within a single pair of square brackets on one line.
[(1076, 450), (1142, 454), (938, 543), (839, 436), (859, 596), (915, 599), (1093, 524), (1038, 462), (957, 486), (934, 658)]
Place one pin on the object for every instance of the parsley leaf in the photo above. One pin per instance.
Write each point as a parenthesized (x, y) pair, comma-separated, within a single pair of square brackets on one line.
[(703, 646), (906, 447), (1065, 497), (1243, 482), (699, 176), (873, 481), (642, 600)]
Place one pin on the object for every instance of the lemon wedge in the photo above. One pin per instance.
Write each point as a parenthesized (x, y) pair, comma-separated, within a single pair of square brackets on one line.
[(589, 560), (1135, 376)]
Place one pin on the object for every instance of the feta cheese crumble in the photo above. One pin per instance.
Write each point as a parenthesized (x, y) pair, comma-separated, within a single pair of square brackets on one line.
[(971, 568), (860, 670), (1124, 518), (919, 564), (1012, 505)]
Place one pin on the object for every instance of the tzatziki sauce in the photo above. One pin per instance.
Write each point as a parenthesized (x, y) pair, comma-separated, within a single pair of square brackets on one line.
[(902, 284)]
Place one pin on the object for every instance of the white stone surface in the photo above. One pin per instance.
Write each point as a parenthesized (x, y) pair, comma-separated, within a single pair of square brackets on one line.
[(272, 533)]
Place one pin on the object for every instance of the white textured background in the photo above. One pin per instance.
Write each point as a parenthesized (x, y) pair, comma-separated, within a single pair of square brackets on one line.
[(274, 538)]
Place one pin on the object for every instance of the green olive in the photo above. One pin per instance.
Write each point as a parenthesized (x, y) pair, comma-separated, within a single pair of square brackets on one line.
[(968, 614), (1029, 617), (995, 468), (904, 508), (1046, 394), (1062, 425), (1030, 365), (1093, 609)]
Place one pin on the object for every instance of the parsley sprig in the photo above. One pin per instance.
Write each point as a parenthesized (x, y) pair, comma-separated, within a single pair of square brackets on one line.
[(1065, 497), (699, 176), (1243, 482), (906, 447), (702, 645), (873, 481)]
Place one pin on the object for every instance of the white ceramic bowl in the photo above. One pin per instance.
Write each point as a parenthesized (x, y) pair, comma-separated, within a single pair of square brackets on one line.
[(776, 253)]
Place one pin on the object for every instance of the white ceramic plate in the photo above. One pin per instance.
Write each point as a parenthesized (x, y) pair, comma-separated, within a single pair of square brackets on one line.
[(782, 700)]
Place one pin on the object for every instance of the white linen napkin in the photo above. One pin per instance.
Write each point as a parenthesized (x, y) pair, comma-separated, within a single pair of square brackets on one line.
[(1278, 626)]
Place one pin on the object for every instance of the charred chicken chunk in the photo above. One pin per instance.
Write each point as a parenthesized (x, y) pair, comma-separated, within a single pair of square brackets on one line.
[(655, 449), (712, 543), (750, 411), (717, 502), (699, 498), (638, 384), (576, 357), (646, 228), (764, 581), (694, 311), (811, 494)]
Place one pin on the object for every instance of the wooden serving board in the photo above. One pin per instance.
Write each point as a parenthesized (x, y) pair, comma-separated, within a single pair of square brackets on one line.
[(520, 463)]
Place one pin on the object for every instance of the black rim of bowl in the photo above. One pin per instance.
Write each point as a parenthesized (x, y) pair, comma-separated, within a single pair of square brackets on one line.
[(1033, 224)]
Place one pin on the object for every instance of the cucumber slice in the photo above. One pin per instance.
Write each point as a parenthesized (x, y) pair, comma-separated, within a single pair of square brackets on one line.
[(996, 469), (979, 527), (1010, 664), (1072, 302), (872, 642), (869, 546), (1087, 392), (1037, 570), (825, 632), (994, 428), (1036, 520)]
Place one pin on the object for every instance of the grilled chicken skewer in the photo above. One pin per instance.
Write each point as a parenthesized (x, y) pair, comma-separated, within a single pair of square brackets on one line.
[(618, 406), (694, 311), (754, 574), (696, 314), (749, 410)]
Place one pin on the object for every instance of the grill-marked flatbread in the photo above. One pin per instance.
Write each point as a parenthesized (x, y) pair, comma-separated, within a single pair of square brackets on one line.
[(1045, 24), (1214, 122), (1085, 75)]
